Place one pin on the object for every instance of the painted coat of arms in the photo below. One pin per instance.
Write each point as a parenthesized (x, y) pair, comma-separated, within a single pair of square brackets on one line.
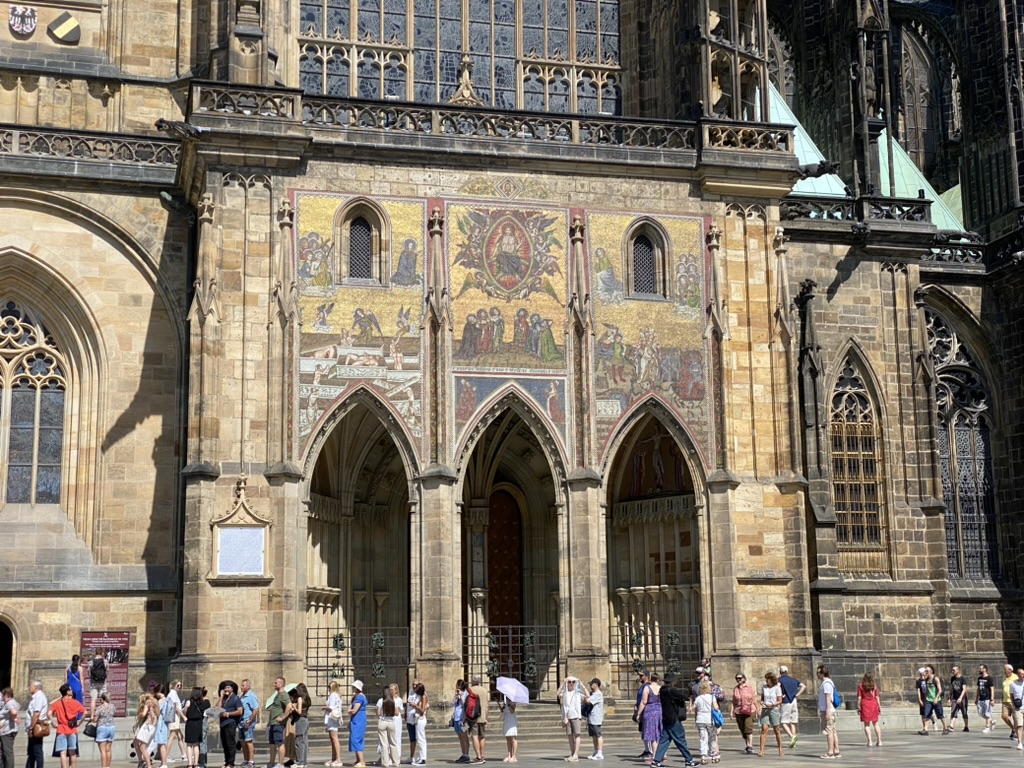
[(509, 254), (22, 19)]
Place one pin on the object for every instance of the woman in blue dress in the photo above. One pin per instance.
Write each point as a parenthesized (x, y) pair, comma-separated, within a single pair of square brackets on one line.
[(357, 724), (73, 677)]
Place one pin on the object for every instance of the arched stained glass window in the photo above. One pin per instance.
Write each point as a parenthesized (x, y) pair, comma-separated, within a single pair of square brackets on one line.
[(33, 387), (858, 474), (644, 275), (962, 398)]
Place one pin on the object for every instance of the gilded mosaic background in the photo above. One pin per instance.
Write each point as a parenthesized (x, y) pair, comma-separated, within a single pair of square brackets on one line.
[(358, 334), (649, 346)]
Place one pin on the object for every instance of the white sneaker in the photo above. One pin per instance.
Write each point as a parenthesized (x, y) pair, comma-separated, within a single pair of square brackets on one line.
[(986, 730), (1019, 745), (597, 756)]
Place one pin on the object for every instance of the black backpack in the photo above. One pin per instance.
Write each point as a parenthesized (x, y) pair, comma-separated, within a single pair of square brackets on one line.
[(98, 671)]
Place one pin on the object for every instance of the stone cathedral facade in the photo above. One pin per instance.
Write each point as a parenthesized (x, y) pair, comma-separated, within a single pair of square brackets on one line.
[(443, 337)]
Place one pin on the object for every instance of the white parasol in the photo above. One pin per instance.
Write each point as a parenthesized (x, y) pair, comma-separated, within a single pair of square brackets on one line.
[(514, 690)]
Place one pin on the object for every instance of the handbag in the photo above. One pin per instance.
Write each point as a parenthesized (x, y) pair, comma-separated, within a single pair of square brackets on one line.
[(90, 730), (716, 718), (41, 729)]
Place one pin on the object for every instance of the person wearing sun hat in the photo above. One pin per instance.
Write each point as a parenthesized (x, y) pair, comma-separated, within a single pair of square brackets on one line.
[(357, 724)]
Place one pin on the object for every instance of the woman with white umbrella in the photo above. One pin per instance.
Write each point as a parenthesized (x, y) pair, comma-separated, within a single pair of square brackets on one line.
[(513, 692)]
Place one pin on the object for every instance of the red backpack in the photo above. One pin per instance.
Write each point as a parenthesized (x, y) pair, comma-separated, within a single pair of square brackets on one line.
[(472, 706)]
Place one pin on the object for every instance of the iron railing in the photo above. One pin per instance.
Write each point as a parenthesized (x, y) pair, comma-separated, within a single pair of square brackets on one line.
[(528, 653), (658, 649), (377, 656)]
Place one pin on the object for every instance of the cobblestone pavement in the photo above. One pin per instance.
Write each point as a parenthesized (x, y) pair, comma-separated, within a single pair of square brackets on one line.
[(956, 749)]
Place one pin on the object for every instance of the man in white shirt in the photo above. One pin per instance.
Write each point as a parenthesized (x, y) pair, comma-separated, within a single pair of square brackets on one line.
[(571, 697), (596, 718), (38, 711), (827, 712), (8, 728), (1017, 702)]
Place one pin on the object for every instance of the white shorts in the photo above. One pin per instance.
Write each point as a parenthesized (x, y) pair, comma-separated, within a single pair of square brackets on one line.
[(790, 712)]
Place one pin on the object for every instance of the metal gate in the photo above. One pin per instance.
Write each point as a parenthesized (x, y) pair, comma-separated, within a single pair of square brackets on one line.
[(375, 656), (528, 653), (661, 649)]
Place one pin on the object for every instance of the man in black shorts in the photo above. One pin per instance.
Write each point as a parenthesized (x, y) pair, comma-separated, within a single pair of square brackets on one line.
[(958, 698)]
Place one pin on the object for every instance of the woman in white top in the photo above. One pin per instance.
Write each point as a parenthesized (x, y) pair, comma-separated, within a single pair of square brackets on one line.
[(399, 714), (703, 706), (510, 727), (771, 710), (333, 714)]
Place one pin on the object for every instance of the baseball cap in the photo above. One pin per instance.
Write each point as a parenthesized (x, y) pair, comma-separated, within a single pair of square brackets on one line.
[(783, 668), (358, 685), (920, 670), (699, 670)]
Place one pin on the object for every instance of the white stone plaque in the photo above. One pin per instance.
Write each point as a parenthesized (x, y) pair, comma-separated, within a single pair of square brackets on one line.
[(241, 550)]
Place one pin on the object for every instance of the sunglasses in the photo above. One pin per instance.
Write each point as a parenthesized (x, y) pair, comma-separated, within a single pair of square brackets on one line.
[(740, 679)]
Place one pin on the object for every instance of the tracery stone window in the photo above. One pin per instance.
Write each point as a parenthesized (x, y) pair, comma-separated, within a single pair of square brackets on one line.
[(858, 474), (962, 398), (566, 58), (33, 389)]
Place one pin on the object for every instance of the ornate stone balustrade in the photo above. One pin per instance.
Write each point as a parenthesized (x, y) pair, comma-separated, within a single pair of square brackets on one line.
[(474, 122), (800, 207), (956, 253), (897, 209), (246, 100), (817, 208), (87, 146), (1008, 249)]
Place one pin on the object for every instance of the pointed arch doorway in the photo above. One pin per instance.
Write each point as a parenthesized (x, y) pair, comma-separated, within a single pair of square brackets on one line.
[(358, 574), (510, 558), (654, 556)]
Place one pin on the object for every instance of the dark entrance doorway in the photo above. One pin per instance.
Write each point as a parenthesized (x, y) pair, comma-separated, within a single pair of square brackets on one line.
[(6, 654), (504, 560)]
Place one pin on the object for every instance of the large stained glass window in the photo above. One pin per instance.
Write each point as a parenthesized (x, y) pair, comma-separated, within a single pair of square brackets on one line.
[(33, 386), (962, 398), (566, 58), (858, 474)]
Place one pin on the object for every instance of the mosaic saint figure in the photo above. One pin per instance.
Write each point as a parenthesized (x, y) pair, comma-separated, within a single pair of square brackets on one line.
[(521, 331), (406, 273), (548, 349), (498, 332), (470, 347)]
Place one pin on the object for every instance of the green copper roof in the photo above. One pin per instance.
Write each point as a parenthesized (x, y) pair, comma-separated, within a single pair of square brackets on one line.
[(806, 151), (952, 198), (909, 180)]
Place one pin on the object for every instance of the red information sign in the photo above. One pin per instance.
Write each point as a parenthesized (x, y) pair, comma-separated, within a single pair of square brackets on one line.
[(114, 647)]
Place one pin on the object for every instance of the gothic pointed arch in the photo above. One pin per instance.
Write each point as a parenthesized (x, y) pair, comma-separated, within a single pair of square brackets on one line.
[(389, 419), (963, 399), (652, 406), (511, 398), (859, 485), (646, 256)]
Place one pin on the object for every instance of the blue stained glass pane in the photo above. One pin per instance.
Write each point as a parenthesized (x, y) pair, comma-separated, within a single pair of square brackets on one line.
[(505, 75), (505, 99), (426, 93), (610, 30), (558, 14), (533, 41), (51, 442), (451, 9), (337, 23), (48, 485), (586, 46), (479, 41), (311, 19), (23, 406), (533, 13), (558, 44), (19, 485), (586, 96), (533, 93), (451, 37), (21, 445), (586, 15), (337, 76), (559, 96), (369, 19), (394, 29), (449, 68), (482, 76), (505, 11), (394, 81), (51, 407), (610, 101), (369, 79), (505, 41), (425, 7), (479, 10)]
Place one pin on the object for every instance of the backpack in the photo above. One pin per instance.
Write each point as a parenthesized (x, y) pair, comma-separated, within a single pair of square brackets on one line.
[(98, 671), (837, 699), (168, 711), (472, 706)]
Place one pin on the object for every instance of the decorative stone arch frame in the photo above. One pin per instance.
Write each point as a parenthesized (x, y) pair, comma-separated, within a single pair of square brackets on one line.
[(380, 226), (24, 635), (646, 226), (511, 397), (82, 327), (388, 416), (852, 348), (966, 325)]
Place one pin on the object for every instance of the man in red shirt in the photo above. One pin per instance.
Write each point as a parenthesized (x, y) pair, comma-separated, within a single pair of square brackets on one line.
[(67, 713)]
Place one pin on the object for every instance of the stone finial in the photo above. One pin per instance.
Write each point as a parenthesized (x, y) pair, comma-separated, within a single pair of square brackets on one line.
[(780, 240), (465, 93), (285, 214), (714, 237), (576, 230)]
